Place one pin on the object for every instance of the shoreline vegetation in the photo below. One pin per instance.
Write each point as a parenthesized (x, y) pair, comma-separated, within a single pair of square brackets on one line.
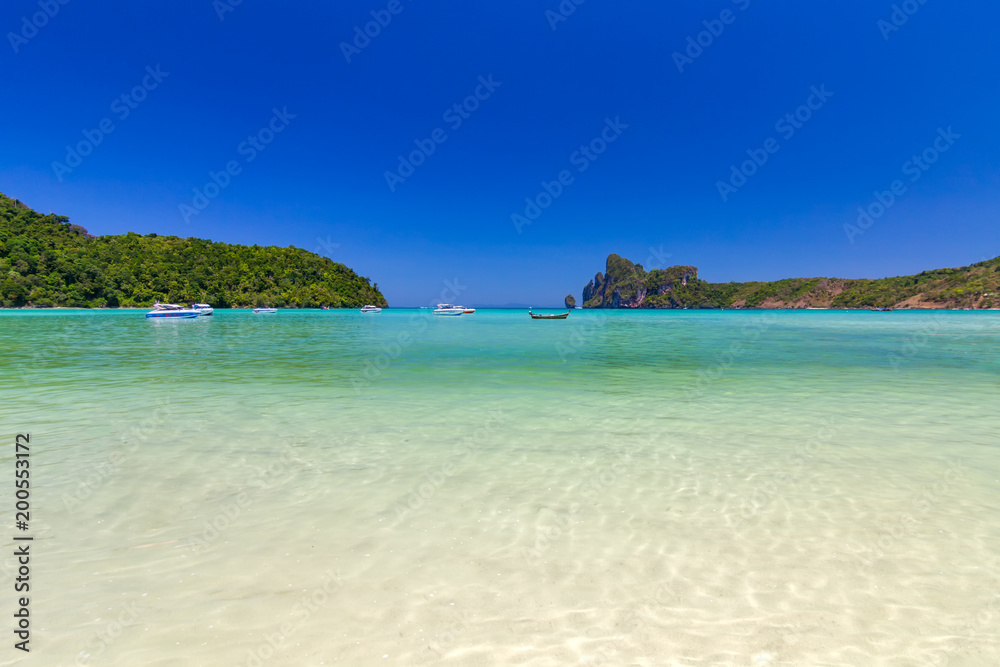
[(625, 284), (46, 262)]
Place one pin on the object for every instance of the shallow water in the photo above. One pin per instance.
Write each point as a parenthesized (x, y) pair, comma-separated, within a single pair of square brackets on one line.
[(620, 488)]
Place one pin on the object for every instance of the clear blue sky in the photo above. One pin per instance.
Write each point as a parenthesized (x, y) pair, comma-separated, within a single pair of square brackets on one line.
[(322, 177)]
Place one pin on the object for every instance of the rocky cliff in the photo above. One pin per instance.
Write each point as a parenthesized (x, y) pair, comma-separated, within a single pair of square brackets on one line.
[(628, 285)]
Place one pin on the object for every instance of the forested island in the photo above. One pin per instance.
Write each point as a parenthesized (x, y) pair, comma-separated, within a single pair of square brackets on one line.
[(45, 261), (628, 285)]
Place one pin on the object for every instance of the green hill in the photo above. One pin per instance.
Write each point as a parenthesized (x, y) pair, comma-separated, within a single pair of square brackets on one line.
[(628, 285), (46, 261)]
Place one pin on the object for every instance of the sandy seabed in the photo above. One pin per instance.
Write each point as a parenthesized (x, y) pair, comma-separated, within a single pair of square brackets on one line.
[(814, 512)]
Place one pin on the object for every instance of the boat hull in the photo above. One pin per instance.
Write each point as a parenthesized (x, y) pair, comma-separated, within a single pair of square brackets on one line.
[(172, 315)]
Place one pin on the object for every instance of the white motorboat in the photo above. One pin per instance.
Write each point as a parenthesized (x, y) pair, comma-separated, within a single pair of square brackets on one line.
[(171, 311), (371, 309), (202, 308), (448, 309), (265, 310)]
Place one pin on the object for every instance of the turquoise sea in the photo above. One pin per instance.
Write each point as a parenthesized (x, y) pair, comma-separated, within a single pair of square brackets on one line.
[(619, 488)]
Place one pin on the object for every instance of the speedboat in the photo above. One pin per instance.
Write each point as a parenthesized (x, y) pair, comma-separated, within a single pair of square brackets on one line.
[(371, 309), (171, 311), (467, 311), (448, 309), (202, 308), (265, 310)]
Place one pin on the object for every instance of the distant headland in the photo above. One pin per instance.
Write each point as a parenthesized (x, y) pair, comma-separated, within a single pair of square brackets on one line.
[(627, 285), (47, 262)]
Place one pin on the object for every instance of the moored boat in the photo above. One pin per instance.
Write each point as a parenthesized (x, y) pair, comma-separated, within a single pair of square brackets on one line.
[(448, 309), (171, 311), (467, 311), (556, 316), (371, 309), (202, 308), (264, 310)]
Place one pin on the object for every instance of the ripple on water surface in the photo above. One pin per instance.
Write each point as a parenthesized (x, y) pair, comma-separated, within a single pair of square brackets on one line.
[(619, 488)]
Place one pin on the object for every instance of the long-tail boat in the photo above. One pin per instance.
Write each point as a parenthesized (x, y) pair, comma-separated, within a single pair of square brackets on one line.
[(559, 316)]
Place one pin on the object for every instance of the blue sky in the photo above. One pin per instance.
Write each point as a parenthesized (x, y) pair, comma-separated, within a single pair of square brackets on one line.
[(555, 83)]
